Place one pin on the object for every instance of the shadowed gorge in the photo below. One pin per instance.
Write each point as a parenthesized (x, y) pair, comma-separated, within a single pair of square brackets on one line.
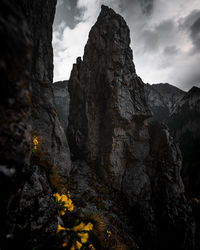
[(84, 164)]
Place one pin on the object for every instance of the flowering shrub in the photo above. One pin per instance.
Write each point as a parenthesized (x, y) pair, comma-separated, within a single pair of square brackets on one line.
[(77, 235), (82, 229), (64, 203)]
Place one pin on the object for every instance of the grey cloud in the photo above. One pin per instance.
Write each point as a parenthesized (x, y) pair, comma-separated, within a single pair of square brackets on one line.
[(157, 37), (187, 22), (165, 27), (67, 12), (195, 33), (191, 78), (146, 6), (191, 24), (150, 40), (187, 74), (171, 50)]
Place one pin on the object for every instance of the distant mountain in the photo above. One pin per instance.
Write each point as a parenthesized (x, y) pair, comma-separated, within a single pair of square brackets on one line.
[(161, 99), (190, 100), (181, 112)]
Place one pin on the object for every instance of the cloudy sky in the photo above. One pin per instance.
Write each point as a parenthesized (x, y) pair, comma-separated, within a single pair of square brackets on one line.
[(165, 37)]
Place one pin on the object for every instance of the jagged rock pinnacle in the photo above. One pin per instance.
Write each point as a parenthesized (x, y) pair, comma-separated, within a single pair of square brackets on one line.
[(107, 97)]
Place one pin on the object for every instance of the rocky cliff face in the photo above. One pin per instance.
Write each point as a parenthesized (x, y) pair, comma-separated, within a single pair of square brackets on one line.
[(27, 62), (107, 101), (53, 146), (45, 123), (14, 109), (108, 130), (171, 210)]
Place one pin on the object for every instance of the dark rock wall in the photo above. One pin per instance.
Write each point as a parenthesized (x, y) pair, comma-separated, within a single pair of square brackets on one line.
[(36, 198), (180, 111), (107, 102), (28, 211), (14, 109), (173, 216), (45, 123)]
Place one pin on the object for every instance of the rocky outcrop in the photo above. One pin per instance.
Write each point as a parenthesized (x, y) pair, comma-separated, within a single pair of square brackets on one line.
[(28, 211), (54, 152), (45, 123), (161, 99), (108, 130), (61, 97), (107, 101)]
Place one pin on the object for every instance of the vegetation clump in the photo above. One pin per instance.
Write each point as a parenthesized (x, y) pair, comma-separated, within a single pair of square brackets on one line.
[(78, 234), (82, 231), (64, 203)]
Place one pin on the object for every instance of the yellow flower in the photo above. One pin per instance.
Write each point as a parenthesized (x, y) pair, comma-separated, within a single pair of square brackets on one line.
[(79, 227), (65, 244), (84, 237), (62, 212), (72, 247), (64, 198), (64, 203), (83, 227), (60, 228), (108, 233), (71, 207), (57, 196), (35, 141), (91, 247), (78, 245), (88, 227)]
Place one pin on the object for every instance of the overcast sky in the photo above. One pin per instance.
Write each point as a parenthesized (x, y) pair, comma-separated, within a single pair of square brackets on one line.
[(165, 37)]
